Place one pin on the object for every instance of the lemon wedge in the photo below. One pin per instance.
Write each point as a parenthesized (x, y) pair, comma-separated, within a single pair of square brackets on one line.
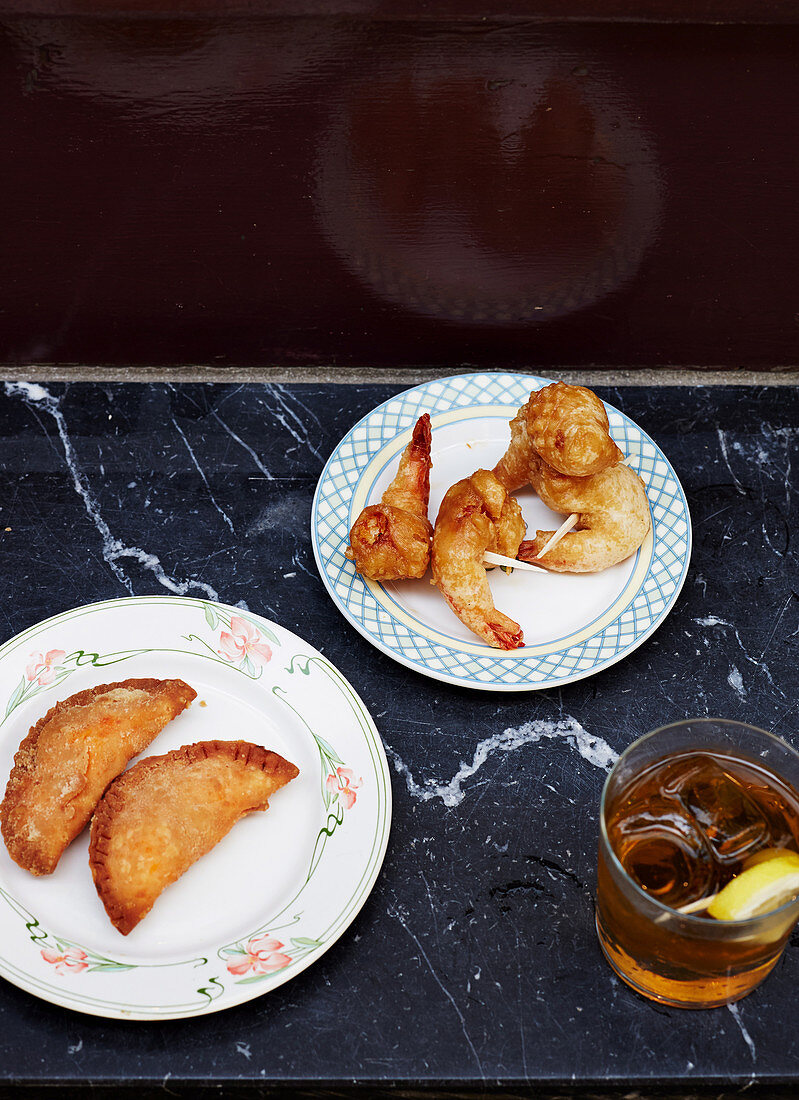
[(763, 885), (764, 855)]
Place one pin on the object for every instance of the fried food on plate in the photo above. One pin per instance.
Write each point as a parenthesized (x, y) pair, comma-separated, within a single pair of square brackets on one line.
[(476, 515), (162, 815), (613, 518), (568, 427), (564, 425), (561, 445), (390, 541), (71, 755)]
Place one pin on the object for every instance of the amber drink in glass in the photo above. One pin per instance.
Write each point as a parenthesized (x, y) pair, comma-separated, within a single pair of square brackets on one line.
[(682, 812)]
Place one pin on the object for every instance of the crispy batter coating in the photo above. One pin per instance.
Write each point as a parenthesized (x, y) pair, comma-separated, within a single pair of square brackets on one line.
[(162, 815), (476, 515), (567, 427), (71, 755), (560, 444), (613, 519), (513, 469), (390, 541)]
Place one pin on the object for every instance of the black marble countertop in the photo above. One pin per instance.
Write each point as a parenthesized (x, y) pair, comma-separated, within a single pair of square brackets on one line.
[(474, 964)]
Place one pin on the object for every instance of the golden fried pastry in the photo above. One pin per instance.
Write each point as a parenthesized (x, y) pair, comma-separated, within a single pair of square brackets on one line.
[(390, 541), (567, 427), (476, 515), (161, 815), (613, 518), (71, 755)]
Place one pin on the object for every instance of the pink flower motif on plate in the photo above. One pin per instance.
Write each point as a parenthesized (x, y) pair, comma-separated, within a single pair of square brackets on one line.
[(71, 961), (344, 784), (263, 956), (42, 669), (242, 641)]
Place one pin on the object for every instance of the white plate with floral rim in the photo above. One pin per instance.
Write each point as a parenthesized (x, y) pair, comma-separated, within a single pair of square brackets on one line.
[(574, 624), (277, 891)]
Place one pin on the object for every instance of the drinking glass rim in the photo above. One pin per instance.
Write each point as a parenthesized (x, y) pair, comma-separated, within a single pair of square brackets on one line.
[(616, 862)]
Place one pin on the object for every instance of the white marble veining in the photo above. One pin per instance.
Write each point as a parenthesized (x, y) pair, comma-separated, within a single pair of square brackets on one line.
[(396, 912), (714, 621), (114, 551), (735, 1012), (722, 437), (259, 463), (300, 425), (736, 682), (201, 472), (568, 730)]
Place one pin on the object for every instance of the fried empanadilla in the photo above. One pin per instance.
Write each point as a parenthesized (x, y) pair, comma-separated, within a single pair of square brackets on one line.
[(166, 812), (69, 757)]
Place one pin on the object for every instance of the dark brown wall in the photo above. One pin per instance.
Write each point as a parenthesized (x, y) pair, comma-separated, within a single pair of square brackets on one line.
[(278, 189)]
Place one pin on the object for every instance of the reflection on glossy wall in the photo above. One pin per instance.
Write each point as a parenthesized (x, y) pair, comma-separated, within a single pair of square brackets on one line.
[(476, 180), (315, 190)]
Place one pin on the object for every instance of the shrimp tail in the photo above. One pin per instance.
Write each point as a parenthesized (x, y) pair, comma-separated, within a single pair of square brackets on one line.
[(410, 489), (506, 633), (422, 438), (527, 551)]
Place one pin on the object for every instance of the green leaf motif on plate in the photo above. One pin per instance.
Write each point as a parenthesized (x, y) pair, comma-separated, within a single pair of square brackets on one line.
[(213, 990), (339, 784), (302, 663), (63, 955), (16, 696), (45, 671)]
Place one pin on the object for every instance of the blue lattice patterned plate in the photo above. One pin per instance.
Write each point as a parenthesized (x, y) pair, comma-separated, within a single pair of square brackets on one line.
[(574, 625)]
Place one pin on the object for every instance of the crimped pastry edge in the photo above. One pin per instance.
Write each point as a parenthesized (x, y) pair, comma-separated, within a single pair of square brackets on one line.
[(25, 756), (114, 798)]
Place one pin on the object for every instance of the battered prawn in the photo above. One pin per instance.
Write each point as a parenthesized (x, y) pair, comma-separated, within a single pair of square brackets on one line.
[(476, 515), (564, 425), (390, 541), (561, 445), (613, 518)]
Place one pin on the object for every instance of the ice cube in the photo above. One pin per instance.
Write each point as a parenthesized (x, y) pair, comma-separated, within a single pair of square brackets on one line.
[(661, 846), (719, 804)]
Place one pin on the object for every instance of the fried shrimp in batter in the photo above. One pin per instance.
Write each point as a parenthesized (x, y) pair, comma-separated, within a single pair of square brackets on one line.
[(564, 425), (390, 541), (476, 515), (568, 427), (613, 518), (561, 445)]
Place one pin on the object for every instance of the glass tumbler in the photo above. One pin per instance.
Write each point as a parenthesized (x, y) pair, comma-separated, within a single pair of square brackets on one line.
[(682, 959)]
